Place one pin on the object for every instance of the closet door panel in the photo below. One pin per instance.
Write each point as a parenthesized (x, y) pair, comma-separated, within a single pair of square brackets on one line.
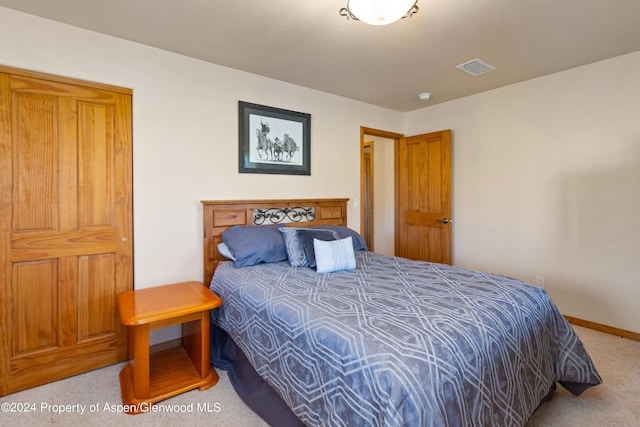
[(96, 161), (35, 299), (35, 163), (96, 285), (66, 219)]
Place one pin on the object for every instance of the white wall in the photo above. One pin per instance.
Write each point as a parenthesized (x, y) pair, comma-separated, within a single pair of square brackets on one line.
[(546, 173), (185, 134), (546, 182)]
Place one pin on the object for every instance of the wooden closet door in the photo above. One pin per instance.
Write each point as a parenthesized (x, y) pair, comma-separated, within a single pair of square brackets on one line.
[(65, 226)]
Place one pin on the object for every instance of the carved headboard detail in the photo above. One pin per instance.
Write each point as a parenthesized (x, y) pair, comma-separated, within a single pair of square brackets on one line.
[(218, 215)]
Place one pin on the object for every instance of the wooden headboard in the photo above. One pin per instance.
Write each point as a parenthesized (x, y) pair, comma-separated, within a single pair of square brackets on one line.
[(218, 215)]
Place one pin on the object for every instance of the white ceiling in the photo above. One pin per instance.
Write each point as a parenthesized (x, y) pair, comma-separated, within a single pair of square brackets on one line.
[(306, 42)]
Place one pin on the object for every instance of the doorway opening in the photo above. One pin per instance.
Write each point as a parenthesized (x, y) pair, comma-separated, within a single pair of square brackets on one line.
[(413, 219), (378, 188)]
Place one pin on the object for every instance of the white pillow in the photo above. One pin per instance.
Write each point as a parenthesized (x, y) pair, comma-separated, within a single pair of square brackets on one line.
[(334, 255), (224, 251)]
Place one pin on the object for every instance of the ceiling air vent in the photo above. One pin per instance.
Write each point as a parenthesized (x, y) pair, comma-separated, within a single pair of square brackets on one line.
[(475, 67)]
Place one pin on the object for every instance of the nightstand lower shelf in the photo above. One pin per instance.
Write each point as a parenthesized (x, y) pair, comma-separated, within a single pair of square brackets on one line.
[(165, 383)]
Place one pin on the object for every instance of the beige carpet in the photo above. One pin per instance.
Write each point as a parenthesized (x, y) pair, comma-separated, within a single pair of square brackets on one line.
[(613, 403)]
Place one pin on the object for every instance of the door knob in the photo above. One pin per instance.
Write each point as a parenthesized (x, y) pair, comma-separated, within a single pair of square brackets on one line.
[(445, 220)]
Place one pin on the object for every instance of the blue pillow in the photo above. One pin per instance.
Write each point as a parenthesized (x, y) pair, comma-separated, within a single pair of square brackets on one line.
[(359, 243), (253, 244)]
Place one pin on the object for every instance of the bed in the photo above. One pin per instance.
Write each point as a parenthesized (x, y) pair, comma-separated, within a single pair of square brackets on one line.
[(340, 336)]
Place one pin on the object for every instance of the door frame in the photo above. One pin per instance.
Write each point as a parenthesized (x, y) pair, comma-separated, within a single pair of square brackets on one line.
[(367, 193), (397, 138)]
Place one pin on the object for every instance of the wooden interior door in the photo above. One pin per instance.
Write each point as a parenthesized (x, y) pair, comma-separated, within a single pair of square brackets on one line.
[(424, 197), (65, 226)]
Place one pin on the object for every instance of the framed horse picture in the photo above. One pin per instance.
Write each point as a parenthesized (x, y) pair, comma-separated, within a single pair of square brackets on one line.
[(273, 140)]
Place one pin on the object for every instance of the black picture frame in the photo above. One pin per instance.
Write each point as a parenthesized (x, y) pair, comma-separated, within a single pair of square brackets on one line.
[(273, 140)]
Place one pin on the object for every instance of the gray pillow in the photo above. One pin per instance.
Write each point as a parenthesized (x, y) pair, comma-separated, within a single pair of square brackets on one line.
[(254, 244), (306, 237), (294, 245), (359, 243)]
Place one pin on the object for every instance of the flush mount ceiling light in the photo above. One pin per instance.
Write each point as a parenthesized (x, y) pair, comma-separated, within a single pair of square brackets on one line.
[(379, 12)]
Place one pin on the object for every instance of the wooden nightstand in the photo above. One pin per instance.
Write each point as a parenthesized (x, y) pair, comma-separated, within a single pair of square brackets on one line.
[(154, 377)]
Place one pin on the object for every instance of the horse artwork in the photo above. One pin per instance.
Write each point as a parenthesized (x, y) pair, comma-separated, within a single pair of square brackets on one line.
[(265, 145), (289, 146), (276, 150), (273, 140)]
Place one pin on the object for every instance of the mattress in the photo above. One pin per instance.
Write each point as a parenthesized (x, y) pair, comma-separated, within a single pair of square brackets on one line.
[(399, 342)]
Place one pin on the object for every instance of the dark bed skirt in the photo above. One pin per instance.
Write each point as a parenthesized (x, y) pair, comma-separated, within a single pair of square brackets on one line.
[(255, 392), (252, 389)]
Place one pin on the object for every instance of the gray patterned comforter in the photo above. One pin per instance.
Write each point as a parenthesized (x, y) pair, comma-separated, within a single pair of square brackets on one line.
[(401, 343)]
